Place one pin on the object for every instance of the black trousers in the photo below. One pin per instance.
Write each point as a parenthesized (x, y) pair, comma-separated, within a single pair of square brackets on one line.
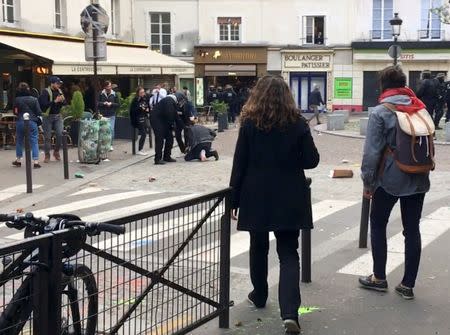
[(447, 115), (195, 152), (411, 208), (438, 112), (163, 138), (179, 128), (142, 135), (289, 284)]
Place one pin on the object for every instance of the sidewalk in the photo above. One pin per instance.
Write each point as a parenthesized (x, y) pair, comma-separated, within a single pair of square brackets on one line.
[(49, 180)]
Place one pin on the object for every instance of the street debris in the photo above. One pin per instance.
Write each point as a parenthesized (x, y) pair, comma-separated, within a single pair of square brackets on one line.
[(239, 324), (345, 161), (19, 210), (151, 179), (337, 173), (79, 175), (307, 310)]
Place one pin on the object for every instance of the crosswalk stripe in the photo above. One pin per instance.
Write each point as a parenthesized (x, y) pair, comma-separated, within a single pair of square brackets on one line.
[(432, 227), (89, 190), (15, 190), (115, 213), (93, 202), (240, 242)]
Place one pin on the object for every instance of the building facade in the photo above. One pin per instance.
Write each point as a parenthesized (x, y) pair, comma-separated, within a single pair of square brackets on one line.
[(337, 45)]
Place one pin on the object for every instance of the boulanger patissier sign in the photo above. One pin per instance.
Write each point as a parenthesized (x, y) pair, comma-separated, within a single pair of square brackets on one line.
[(307, 61)]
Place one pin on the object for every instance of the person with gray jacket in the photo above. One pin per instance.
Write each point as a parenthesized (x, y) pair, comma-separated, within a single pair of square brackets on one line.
[(199, 140), (386, 184)]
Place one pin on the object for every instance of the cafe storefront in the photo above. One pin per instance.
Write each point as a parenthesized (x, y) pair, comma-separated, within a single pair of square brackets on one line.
[(304, 69), (238, 66)]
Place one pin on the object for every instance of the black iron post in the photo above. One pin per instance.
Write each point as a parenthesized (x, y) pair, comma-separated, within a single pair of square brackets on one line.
[(224, 299), (26, 130), (364, 225), (65, 155), (395, 51), (94, 48), (133, 142)]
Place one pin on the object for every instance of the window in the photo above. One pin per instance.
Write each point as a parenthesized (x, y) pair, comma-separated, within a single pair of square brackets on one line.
[(114, 17), (160, 32), (314, 30), (58, 14), (383, 12), (8, 15), (430, 24), (229, 29)]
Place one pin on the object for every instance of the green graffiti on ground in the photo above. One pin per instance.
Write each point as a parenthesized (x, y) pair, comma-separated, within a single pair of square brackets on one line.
[(307, 310)]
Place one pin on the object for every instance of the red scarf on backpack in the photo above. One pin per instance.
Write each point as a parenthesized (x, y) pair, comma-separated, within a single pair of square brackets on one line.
[(416, 103)]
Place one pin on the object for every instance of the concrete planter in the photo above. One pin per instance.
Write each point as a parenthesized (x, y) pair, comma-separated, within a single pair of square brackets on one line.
[(336, 122), (346, 114), (447, 132), (363, 122)]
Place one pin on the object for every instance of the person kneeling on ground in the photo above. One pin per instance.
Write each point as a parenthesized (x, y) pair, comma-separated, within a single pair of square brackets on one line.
[(199, 140)]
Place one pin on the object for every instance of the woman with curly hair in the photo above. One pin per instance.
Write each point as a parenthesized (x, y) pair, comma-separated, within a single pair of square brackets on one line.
[(269, 189)]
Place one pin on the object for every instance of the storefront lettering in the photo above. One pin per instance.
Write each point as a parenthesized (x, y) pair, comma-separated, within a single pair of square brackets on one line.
[(302, 61), (141, 69), (407, 57), (80, 69)]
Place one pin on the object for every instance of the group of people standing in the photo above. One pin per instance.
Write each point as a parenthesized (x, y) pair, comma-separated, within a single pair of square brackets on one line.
[(234, 100), (165, 114), (435, 93)]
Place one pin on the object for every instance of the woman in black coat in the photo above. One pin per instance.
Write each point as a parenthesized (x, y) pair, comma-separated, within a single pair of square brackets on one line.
[(269, 189), (139, 116)]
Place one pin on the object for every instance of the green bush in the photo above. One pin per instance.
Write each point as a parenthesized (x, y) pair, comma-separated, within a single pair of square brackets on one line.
[(77, 105), (219, 107), (125, 103)]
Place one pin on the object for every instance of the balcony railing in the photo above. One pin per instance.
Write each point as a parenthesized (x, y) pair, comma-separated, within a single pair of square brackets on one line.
[(431, 34)]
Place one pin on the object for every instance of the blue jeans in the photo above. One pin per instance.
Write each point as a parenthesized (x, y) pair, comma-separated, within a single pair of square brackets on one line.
[(49, 123), (20, 135), (112, 119)]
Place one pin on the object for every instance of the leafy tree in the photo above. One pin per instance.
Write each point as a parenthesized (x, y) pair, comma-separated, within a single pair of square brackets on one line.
[(443, 12), (77, 105)]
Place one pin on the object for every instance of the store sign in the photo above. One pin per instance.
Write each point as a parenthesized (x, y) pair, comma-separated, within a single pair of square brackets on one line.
[(138, 70), (82, 69), (343, 88), (178, 70), (231, 55), (307, 61)]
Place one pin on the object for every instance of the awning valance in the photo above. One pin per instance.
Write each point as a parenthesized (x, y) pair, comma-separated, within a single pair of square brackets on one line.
[(68, 58)]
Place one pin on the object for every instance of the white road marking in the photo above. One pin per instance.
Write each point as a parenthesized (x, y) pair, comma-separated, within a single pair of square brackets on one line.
[(89, 190), (93, 202), (432, 227), (15, 190)]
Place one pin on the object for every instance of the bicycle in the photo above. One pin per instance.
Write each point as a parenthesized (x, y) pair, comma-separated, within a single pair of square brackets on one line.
[(18, 311)]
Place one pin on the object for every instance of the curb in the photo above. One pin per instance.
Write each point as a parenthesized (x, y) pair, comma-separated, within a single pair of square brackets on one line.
[(33, 199), (319, 129)]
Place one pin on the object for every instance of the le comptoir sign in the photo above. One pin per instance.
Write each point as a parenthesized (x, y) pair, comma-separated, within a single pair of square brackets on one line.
[(307, 62)]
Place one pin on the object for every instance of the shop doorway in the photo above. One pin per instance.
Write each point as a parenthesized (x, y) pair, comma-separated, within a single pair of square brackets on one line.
[(302, 85), (371, 89)]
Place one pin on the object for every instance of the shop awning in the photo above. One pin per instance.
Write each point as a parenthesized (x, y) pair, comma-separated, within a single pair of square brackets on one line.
[(68, 58)]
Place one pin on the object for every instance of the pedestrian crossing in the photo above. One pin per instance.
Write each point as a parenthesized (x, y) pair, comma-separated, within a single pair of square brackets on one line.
[(11, 192), (96, 204)]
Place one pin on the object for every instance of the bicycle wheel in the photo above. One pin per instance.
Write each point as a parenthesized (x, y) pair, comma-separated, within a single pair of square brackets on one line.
[(82, 323)]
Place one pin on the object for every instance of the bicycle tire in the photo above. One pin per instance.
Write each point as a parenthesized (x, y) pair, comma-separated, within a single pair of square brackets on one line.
[(82, 272), (18, 311)]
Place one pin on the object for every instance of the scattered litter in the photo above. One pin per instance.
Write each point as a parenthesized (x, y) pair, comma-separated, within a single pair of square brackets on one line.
[(432, 277), (308, 310), (341, 173), (106, 160), (238, 324), (19, 210), (259, 320), (78, 160), (70, 161), (345, 161), (92, 184), (79, 175), (151, 179)]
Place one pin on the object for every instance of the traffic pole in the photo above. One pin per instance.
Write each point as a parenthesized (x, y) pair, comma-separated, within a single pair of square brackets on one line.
[(26, 118), (65, 155)]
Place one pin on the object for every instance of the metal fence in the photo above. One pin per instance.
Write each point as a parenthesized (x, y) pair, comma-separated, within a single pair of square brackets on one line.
[(168, 274)]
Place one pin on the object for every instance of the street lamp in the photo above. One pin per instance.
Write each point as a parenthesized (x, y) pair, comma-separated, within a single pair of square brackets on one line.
[(396, 24)]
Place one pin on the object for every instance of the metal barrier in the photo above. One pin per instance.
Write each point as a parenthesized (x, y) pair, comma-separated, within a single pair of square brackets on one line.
[(168, 274)]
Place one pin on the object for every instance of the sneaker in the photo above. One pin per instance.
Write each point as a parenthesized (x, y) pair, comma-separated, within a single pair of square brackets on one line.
[(17, 163), (251, 299), (47, 158), (371, 283), (111, 149), (160, 162), (215, 154), (291, 326), (170, 160), (37, 165), (203, 156), (56, 155), (142, 153), (405, 292)]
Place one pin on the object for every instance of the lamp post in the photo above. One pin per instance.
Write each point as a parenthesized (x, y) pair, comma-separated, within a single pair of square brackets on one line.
[(396, 24)]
